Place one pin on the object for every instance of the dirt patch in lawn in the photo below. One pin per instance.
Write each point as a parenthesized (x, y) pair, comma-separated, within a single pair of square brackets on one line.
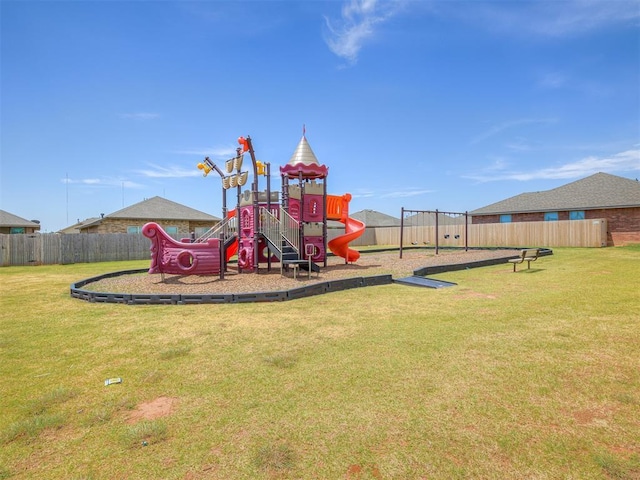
[(160, 407)]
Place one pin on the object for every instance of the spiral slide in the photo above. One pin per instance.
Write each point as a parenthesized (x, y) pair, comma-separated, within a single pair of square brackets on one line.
[(338, 209)]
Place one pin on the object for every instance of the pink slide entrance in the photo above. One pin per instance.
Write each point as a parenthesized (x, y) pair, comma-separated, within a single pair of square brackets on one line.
[(338, 209)]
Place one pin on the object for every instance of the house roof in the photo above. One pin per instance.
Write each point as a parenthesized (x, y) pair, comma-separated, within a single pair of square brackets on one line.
[(10, 220), (158, 208), (75, 228), (372, 218), (601, 190)]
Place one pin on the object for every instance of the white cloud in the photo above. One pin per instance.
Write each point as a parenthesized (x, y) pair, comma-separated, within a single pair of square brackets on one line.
[(578, 16), (627, 161), (499, 128), (547, 18), (158, 171), (405, 193), (102, 182), (360, 20), (400, 193), (519, 145), (225, 152), (363, 193), (553, 80), (357, 26), (140, 116)]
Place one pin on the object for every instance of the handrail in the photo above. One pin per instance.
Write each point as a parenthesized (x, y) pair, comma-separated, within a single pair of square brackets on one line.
[(270, 227), (228, 227), (290, 229)]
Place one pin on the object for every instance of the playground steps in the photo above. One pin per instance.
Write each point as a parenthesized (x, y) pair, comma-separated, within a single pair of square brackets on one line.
[(288, 255), (303, 264)]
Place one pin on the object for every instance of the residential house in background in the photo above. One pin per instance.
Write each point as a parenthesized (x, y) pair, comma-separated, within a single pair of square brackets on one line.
[(76, 227), (10, 223), (599, 196), (373, 218), (177, 220)]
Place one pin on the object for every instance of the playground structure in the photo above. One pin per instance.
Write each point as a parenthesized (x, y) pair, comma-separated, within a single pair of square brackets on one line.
[(262, 229), (434, 228)]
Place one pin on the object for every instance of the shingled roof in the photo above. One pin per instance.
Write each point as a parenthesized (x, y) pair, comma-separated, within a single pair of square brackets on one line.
[(158, 208), (601, 190), (10, 220), (372, 218)]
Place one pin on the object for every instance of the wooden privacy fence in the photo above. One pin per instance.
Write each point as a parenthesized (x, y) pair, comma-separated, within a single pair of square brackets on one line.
[(566, 233), (53, 248)]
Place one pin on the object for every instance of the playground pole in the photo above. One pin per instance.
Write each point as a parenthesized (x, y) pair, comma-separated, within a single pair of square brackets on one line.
[(437, 237), (466, 231), (325, 232), (267, 170), (401, 228), (254, 191), (209, 163)]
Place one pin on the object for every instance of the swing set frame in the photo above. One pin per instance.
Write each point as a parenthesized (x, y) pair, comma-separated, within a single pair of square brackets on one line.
[(404, 211)]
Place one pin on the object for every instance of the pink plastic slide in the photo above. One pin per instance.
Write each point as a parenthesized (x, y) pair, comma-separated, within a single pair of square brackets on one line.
[(338, 209)]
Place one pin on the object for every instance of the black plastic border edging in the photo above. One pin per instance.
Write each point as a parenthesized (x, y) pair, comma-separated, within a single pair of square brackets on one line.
[(189, 299), (423, 272), (277, 296)]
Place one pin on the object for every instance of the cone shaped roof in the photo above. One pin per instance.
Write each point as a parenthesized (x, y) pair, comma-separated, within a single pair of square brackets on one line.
[(303, 154), (304, 161)]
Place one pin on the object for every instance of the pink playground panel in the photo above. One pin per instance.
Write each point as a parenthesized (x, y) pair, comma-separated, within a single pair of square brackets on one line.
[(181, 258), (312, 211), (317, 243)]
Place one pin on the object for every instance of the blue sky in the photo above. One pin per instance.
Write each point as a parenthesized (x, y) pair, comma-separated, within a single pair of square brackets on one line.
[(449, 105)]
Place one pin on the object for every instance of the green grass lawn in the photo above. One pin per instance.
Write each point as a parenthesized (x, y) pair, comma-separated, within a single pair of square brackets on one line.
[(534, 374)]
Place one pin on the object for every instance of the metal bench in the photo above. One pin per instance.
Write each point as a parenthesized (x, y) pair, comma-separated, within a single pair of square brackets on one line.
[(527, 255)]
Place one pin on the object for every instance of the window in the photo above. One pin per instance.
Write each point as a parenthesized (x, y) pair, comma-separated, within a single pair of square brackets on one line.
[(199, 231), (551, 216), (17, 230), (171, 230), (505, 218), (576, 215), (134, 230)]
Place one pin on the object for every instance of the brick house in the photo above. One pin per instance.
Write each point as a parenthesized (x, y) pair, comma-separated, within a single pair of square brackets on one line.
[(10, 223), (602, 195), (176, 219)]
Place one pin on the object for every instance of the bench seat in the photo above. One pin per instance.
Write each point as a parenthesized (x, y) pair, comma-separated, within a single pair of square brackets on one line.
[(527, 255)]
